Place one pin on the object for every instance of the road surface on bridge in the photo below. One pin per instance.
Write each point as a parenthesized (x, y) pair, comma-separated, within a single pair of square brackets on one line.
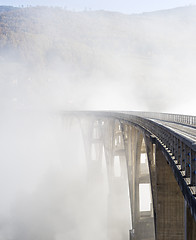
[(186, 131)]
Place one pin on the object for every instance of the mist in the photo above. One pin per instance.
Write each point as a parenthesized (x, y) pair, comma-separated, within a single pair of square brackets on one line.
[(98, 60), (45, 190), (53, 60)]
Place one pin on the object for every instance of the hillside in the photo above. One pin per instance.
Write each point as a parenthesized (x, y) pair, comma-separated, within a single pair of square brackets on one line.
[(132, 52)]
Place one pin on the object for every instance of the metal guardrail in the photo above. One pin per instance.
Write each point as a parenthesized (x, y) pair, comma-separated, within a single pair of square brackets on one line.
[(177, 118)]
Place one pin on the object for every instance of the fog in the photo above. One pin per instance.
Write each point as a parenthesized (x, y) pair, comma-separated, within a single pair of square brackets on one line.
[(53, 60), (99, 60), (44, 185)]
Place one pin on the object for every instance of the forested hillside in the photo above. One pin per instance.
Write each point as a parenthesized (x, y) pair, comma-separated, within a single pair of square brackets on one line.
[(139, 51), (41, 32)]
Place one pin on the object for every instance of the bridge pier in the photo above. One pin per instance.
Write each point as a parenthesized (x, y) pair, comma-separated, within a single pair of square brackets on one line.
[(190, 224), (118, 200), (138, 173), (170, 202), (93, 144), (173, 219)]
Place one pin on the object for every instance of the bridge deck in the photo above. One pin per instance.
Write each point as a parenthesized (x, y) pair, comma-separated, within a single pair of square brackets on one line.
[(183, 130)]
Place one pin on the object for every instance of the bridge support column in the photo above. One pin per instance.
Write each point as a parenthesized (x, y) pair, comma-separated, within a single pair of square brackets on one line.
[(132, 142), (93, 145), (150, 150), (170, 202), (190, 224), (138, 172), (118, 201)]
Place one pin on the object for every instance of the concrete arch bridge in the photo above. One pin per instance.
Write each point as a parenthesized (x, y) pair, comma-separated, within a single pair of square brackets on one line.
[(152, 150)]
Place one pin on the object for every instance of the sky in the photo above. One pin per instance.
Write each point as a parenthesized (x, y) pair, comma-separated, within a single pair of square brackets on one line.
[(124, 6)]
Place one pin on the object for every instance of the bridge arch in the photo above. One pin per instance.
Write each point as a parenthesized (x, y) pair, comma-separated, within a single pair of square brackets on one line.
[(171, 163)]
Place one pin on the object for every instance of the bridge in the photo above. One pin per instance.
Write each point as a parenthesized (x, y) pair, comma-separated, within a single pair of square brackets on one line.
[(169, 170)]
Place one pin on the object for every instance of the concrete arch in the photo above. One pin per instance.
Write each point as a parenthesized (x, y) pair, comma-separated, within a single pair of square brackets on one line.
[(172, 216)]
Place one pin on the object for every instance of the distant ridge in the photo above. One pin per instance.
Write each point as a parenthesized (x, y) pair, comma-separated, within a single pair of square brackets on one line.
[(7, 8), (185, 9), (153, 51)]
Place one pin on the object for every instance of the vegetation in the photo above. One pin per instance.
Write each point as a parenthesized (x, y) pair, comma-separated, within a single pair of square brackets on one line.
[(96, 45), (84, 38)]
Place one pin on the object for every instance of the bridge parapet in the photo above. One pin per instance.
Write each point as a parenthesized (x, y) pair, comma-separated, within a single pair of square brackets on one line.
[(176, 118)]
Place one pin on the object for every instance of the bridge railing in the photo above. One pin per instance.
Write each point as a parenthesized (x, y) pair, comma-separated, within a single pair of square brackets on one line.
[(177, 118)]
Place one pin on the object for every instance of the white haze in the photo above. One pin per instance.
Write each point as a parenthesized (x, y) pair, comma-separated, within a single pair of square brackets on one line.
[(44, 189), (47, 191), (80, 61), (100, 60)]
